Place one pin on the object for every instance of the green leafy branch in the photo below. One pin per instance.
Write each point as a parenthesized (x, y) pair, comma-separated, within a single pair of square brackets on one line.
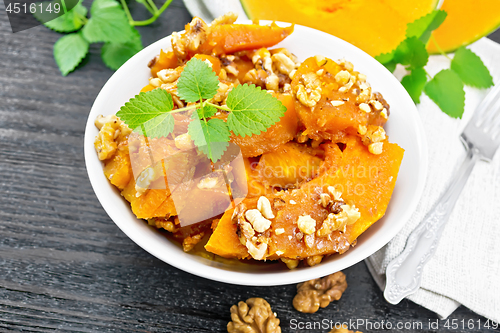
[(109, 23), (446, 88), (250, 110)]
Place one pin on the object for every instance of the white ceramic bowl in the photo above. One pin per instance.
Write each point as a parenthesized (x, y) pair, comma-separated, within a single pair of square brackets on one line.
[(404, 128)]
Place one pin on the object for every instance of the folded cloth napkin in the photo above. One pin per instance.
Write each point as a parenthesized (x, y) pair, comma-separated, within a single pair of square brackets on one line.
[(466, 267)]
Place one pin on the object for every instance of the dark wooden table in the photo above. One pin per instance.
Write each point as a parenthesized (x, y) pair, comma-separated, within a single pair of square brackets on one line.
[(64, 265)]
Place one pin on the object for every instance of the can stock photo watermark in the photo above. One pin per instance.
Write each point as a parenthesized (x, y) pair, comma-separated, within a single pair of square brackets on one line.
[(26, 14), (373, 325)]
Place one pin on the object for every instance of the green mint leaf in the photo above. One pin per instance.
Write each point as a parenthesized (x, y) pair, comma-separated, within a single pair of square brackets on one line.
[(411, 52), (69, 51), (150, 109), (69, 22), (115, 55), (391, 66), (158, 126), (423, 27), (414, 83), (211, 137), (46, 11), (446, 89), (198, 81), (206, 111), (107, 23), (253, 110), (386, 59), (471, 69)]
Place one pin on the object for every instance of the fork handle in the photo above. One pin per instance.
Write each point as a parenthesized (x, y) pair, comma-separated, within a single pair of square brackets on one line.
[(404, 273)]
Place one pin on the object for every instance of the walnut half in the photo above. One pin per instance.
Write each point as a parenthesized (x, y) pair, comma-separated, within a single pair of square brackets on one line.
[(313, 294), (343, 330), (253, 316)]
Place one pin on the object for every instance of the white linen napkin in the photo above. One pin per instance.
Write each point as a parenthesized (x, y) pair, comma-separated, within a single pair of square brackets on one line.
[(466, 267)]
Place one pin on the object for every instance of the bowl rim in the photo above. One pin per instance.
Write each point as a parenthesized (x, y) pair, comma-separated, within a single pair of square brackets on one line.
[(204, 270)]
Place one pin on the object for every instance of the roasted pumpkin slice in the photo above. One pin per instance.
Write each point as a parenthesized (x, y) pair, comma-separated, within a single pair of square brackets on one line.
[(364, 183), (276, 135), (163, 61), (230, 38), (364, 180), (290, 165), (118, 169), (224, 240), (333, 99), (158, 168)]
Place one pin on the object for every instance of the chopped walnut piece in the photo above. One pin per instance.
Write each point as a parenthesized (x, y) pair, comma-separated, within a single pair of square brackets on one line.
[(343, 329), (258, 252), (110, 128), (227, 18), (342, 77), (279, 231), (189, 242), (168, 75), (264, 206), (309, 240), (376, 148), (160, 222), (306, 224), (184, 142), (291, 263), (325, 199), (195, 35), (253, 316), (313, 294), (259, 222), (284, 64), (314, 260), (328, 226), (309, 93)]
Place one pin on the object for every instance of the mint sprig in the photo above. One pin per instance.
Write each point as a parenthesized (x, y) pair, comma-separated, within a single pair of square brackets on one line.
[(250, 110), (110, 22), (446, 89)]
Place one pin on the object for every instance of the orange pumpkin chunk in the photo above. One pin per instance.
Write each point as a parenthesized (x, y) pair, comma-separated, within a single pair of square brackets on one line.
[(289, 165), (365, 181), (230, 38), (337, 108), (164, 61), (224, 240), (118, 169), (276, 135)]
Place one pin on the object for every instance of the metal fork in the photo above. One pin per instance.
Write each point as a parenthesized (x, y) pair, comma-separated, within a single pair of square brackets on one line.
[(481, 138)]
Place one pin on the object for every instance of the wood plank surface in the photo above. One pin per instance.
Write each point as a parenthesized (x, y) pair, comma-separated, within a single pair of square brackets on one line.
[(64, 265)]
